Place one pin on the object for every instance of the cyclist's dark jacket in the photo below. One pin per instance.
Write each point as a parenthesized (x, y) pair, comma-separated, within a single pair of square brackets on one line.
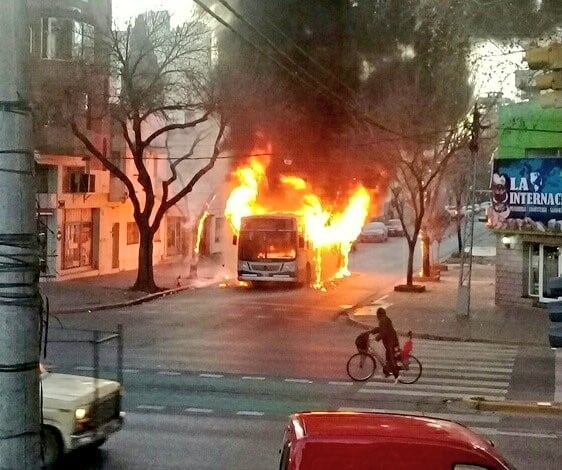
[(386, 332)]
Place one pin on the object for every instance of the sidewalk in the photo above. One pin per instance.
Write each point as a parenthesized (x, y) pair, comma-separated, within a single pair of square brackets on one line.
[(432, 314), (112, 290)]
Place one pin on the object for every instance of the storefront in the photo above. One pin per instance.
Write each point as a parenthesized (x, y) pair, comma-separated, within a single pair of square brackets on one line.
[(526, 190)]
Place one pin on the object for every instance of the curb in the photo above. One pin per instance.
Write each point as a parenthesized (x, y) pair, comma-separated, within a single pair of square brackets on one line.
[(544, 407), (349, 314), (127, 303)]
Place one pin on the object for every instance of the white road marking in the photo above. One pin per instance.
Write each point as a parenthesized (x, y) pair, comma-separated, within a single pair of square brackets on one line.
[(249, 413), (168, 372), (251, 377), (424, 393), (434, 380), (88, 368), (473, 418), (199, 410), (300, 381), (436, 366), (340, 383), (481, 375), (499, 432), (442, 388), (461, 346), (379, 300), (150, 407), (466, 363), (212, 376), (131, 371)]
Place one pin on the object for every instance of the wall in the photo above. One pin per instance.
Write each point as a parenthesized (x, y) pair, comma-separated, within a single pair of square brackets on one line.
[(509, 275), (525, 117)]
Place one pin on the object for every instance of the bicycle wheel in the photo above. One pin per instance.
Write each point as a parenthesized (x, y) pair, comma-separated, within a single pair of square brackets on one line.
[(361, 366), (412, 372)]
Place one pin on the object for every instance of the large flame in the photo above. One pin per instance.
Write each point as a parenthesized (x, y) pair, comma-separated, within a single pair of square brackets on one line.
[(328, 228)]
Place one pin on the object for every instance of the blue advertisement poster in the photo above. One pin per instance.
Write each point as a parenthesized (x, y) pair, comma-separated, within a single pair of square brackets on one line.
[(527, 191)]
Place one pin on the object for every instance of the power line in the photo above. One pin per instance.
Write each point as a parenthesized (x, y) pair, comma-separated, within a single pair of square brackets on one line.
[(294, 74), (306, 54)]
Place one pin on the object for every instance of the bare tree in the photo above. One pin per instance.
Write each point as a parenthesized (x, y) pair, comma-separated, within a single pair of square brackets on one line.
[(162, 77), (414, 186)]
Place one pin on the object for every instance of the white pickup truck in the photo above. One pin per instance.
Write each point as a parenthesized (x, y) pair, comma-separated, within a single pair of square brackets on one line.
[(78, 412)]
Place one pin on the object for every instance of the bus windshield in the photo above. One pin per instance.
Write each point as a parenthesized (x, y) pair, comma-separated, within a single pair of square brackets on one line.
[(267, 244)]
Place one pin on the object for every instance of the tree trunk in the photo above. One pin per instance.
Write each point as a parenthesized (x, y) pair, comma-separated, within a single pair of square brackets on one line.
[(459, 236), (426, 261), (410, 271), (145, 274)]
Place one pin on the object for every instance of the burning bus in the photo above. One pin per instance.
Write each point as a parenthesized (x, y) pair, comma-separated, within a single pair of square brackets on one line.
[(291, 235), (274, 247)]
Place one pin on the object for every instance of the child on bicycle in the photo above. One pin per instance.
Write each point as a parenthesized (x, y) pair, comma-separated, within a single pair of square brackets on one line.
[(407, 349)]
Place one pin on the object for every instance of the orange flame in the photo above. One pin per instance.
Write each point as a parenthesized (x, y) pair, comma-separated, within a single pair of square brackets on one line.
[(327, 228), (200, 226)]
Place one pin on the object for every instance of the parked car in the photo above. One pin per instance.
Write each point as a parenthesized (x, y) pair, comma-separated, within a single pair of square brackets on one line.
[(78, 412), (452, 210), (373, 232), (394, 228), (361, 441)]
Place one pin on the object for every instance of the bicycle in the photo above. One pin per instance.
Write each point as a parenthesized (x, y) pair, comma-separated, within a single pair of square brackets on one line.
[(361, 366)]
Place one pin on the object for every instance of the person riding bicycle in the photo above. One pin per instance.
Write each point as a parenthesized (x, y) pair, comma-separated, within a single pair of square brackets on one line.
[(385, 332)]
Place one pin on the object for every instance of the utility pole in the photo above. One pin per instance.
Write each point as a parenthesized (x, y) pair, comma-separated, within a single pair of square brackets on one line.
[(19, 258), (465, 274)]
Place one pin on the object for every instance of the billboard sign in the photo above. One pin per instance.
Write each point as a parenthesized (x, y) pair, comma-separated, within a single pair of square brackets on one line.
[(527, 193)]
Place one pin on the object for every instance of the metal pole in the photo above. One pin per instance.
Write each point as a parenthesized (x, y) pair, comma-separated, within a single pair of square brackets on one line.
[(120, 353), (465, 271), (19, 254)]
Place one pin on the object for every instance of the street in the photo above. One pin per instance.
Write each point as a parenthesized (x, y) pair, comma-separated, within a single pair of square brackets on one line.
[(211, 375)]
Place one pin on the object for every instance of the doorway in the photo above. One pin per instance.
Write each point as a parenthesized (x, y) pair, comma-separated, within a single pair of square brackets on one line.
[(115, 246)]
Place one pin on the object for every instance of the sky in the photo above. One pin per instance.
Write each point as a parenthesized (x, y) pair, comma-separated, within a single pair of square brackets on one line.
[(126, 9), (493, 70)]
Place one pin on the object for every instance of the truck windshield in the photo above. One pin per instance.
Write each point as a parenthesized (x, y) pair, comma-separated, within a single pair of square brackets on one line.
[(267, 244)]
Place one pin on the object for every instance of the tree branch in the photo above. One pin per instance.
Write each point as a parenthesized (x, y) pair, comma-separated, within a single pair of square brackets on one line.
[(171, 127)]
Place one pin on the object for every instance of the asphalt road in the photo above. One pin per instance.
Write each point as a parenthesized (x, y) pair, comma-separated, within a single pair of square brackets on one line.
[(211, 375)]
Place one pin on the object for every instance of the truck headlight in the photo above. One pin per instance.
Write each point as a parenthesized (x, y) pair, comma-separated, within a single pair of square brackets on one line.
[(81, 413)]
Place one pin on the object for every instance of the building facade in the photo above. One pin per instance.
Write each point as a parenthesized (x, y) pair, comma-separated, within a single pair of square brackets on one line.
[(85, 218), (527, 203)]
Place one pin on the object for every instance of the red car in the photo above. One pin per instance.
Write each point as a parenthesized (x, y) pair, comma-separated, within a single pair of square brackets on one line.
[(373, 441)]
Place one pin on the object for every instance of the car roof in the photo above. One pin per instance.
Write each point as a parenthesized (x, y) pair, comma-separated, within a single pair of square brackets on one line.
[(383, 426)]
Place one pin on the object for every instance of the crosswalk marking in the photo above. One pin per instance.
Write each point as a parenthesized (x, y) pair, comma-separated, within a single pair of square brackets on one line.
[(444, 388), (449, 381), (454, 370), (425, 393)]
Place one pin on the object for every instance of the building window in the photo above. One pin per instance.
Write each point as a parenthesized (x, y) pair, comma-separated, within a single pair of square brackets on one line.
[(77, 251), (66, 39), (133, 235), (76, 180)]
